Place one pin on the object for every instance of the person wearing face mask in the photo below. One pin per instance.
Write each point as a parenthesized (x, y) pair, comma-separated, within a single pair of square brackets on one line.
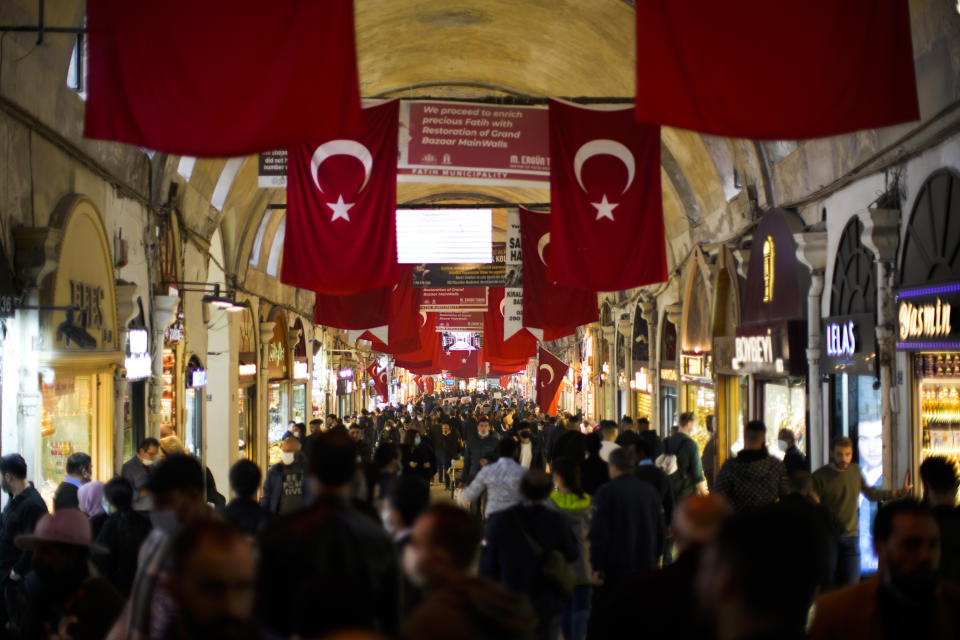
[(137, 470), (414, 458), (122, 533), (408, 497), (176, 487), (62, 598), (79, 472), (481, 450), (91, 504), (285, 488), (905, 599), (793, 458)]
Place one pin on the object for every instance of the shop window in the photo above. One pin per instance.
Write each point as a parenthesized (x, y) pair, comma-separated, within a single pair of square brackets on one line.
[(854, 288), (66, 427), (930, 248)]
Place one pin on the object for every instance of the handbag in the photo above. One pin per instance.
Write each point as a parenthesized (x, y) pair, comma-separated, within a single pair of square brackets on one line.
[(553, 568)]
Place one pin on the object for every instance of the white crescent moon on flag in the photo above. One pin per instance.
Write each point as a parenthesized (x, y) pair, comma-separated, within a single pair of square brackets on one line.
[(608, 148), (383, 376), (544, 241), (503, 304), (550, 369), (341, 148), (423, 318)]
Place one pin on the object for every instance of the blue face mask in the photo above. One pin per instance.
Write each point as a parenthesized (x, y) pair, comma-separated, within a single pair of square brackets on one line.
[(106, 506), (416, 441)]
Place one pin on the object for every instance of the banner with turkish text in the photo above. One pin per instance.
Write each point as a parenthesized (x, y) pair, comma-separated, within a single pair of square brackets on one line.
[(546, 304), (340, 235), (774, 70), (220, 77), (522, 345), (606, 218)]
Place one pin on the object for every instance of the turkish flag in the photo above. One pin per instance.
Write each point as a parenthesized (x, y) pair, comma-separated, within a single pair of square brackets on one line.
[(357, 311), (606, 219), (468, 363), (426, 358), (504, 381), (341, 234), (520, 345), (775, 70), (220, 77), (379, 380), (402, 318), (418, 380), (430, 383), (547, 305), (550, 373)]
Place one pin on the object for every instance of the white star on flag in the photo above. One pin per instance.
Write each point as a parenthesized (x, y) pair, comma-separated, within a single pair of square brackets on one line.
[(604, 208), (340, 209)]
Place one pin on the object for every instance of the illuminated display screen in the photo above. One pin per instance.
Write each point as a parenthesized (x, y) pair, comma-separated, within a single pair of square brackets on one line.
[(445, 236)]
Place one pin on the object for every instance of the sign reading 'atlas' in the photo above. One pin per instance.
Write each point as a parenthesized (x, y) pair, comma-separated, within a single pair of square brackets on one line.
[(924, 317)]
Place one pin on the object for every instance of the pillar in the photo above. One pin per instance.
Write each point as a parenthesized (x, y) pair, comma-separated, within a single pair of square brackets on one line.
[(263, 376), (812, 251), (648, 309), (881, 234), (610, 389)]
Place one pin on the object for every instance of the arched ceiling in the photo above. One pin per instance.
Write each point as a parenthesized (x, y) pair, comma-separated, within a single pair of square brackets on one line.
[(503, 48)]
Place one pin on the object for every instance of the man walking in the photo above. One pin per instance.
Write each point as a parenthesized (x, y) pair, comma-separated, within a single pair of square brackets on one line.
[(285, 488), (688, 478), (608, 442), (501, 480), (137, 469), (626, 537), (79, 472), (754, 478), (518, 540), (839, 485)]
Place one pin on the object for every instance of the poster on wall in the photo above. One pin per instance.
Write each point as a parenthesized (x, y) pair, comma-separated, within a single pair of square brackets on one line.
[(454, 299), (463, 275), (513, 292)]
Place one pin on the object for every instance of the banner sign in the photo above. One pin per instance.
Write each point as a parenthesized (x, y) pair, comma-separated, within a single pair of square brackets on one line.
[(849, 344), (460, 321), (469, 143), (454, 299), (464, 275), (924, 317), (513, 293), (272, 169)]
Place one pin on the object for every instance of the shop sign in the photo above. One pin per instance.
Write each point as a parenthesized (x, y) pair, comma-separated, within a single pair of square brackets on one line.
[(174, 333), (247, 370), (670, 375), (454, 298), (694, 365), (849, 344), (300, 370), (464, 275), (138, 362), (769, 349), (346, 373), (924, 317), (198, 378), (460, 321), (277, 351)]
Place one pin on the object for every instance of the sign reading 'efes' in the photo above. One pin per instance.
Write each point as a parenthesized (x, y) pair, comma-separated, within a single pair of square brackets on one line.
[(925, 319), (849, 344)]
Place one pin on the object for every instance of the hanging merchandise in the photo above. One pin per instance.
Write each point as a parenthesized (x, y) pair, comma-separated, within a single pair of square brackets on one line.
[(211, 93), (340, 235)]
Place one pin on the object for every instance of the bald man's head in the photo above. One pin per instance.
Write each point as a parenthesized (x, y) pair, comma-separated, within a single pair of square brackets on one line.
[(698, 519)]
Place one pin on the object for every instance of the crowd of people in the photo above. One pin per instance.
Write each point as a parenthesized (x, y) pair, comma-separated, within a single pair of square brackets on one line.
[(478, 517)]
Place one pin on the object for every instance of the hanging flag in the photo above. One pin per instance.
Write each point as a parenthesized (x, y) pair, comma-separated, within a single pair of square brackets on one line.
[(220, 77), (427, 356), (357, 311), (550, 373), (418, 380), (469, 364), (775, 70), (430, 383), (340, 235), (606, 220), (401, 323), (547, 305), (505, 381), (521, 345), (379, 380)]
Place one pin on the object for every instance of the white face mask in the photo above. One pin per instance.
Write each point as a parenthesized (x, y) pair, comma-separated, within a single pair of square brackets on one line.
[(287, 457), (146, 462), (416, 441), (389, 526), (783, 445)]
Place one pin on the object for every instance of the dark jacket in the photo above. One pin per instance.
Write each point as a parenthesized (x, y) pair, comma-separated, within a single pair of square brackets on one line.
[(689, 466), (510, 560), (20, 516), (949, 520), (273, 488), (627, 438), (247, 514), (93, 604), (66, 496), (570, 444), (122, 534), (327, 558), (656, 478), (628, 531), (477, 449), (795, 461), (594, 473), (449, 445), (753, 479), (653, 441), (419, 455)]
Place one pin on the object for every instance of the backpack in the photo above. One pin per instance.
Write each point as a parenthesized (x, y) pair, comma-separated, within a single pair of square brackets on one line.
[(553, 568), (669, 463)]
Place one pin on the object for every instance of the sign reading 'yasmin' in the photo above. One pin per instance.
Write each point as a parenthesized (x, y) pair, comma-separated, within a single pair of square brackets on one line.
[(924, 321)]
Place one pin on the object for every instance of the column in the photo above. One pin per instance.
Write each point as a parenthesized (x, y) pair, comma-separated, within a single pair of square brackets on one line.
[(812, 251), (626, 330), (126, 310), (881, 234), (674, 314), (648, 309), (263, 375), (610, 389)]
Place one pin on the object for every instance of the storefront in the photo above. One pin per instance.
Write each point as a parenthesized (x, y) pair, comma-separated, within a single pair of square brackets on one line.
[(247, 388), (696, 364), (170, 380), (194, 398), (278, 385), (79, 351), (640, 383), (588, 399), (732, 392), (320, 380), (138, 365), (927, 330), (300, 409), (669, 379), (770, 343)]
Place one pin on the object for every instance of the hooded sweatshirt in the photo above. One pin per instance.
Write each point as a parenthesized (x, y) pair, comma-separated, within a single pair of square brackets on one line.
[(752, 479), (579, 510)]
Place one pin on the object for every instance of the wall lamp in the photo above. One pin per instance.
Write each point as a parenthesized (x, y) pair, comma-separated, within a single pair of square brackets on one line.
[(212, 297)]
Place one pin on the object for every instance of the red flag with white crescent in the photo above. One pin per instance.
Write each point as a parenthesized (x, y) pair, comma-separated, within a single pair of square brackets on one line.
[(340, 235), (546, 304), (430, 383), (606, 219), (220, 78), (505, 381), (520, 345), (550, 373), (379, 380)]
